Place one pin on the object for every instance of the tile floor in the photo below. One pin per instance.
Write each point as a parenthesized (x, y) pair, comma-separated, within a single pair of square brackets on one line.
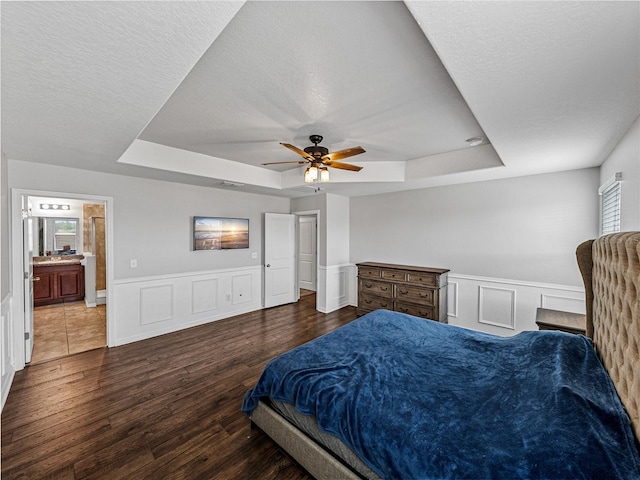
[(66, 328)]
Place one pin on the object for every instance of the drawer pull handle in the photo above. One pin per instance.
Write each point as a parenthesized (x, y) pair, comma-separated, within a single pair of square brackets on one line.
[(383, 305), (368, 285), (36, 279), (384, 289), (404, 292), (423, 295), (404, 310), (368, 302)]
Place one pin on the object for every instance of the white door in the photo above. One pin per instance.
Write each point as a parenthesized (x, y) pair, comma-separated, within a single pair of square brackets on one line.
[(27, 241), (307, 236), (279, 259)]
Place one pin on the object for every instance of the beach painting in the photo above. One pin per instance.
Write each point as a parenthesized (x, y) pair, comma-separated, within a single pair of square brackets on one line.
[(218, 233)]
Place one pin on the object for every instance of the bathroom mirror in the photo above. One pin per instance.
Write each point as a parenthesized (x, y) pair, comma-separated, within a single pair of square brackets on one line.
[(59, 236)]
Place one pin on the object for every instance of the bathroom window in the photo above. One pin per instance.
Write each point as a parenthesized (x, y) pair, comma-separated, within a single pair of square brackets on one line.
[(610, 202), (64, 234)]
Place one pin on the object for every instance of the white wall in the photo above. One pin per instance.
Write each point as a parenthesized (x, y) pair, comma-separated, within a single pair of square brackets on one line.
[(625, 158), (4, 228), (337, 229), (153, 219), (524, 228), (510, 243)]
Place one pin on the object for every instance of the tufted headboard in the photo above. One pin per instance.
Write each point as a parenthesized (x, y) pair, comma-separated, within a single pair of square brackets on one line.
[(610, 268)]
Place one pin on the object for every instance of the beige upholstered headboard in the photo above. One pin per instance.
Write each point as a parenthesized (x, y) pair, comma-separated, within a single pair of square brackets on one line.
[(610, 268)]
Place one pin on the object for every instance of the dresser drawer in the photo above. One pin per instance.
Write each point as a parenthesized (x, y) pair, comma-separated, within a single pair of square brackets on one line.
[(426, 279), (394, 275), (370, 302), (372, 287), (368, 272), (407, 293), (415, 310)]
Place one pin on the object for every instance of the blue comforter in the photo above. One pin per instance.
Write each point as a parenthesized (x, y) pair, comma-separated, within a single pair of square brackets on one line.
[(417, 399)]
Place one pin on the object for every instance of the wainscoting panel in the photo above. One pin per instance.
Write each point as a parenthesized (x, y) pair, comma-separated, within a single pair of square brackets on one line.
[(151, 306), (156, 304), (337, 287), (7, 361), (204, 296), (452, 299), (506, 307), (497, 306), (562, 303), (494, 305), (241, 289)]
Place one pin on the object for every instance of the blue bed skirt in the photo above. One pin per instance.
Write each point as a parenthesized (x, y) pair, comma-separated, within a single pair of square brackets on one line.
[(417, 399)]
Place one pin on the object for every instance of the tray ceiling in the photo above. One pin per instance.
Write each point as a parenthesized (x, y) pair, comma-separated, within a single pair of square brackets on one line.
[(203, 92)]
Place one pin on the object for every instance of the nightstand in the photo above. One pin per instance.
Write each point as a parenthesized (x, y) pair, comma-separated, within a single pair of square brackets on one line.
[(565, 321)]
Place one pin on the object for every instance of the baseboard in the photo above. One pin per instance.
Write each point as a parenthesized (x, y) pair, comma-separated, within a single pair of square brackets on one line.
[(178, 327)]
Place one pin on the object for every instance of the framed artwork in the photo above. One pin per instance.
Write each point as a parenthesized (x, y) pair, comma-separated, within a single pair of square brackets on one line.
[(219, 233)]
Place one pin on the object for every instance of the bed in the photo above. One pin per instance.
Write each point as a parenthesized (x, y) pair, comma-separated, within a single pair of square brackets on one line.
[(394, 396)]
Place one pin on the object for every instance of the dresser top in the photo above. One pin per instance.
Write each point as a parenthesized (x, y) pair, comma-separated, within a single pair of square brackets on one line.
[(413, 268)]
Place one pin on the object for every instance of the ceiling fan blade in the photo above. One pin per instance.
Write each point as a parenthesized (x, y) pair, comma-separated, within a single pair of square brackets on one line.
[(343, 166), (299, 162), (340, 154), (293, 148)]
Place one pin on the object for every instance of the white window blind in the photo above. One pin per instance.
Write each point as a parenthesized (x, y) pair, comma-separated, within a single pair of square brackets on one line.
[(610, 197)]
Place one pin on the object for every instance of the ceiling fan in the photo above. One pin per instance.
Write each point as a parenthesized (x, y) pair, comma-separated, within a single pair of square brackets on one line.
[(320, 158)]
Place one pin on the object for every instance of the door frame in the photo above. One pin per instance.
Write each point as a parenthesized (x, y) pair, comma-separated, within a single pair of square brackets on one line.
[(299, 222), (17, 252), (320, 287)]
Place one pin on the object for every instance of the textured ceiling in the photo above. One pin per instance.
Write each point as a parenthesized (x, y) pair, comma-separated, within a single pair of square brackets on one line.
[(202, 92)]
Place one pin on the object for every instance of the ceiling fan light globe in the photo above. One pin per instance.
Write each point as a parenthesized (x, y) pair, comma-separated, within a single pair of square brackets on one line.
[(313, 173), (324, 175), (307, 175)]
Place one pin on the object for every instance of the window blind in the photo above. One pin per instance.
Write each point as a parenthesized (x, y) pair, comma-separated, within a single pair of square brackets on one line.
[(64, 239), (610, 197)]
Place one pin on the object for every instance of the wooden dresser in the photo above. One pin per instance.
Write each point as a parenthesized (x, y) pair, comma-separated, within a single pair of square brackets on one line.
[(419, 291)]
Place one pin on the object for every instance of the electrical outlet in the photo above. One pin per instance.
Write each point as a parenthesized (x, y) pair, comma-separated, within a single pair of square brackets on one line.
[(133, 263), (254, 255)]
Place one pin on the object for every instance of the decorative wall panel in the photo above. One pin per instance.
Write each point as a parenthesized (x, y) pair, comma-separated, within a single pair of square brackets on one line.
[(151, 306), (337, 287), (204, 295), (452, 299), (241, 289), (156, 304), (6, 347), (506, 307), (497, 306), (562, 303)]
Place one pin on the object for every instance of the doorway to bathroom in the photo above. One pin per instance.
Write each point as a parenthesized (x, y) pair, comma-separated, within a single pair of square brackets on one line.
[(65, 259)]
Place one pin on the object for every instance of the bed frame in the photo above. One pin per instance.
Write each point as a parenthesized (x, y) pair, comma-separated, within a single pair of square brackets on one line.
[(610, 268)]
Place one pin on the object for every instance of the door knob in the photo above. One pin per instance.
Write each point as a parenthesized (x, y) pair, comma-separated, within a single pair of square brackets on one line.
[(268, 265)]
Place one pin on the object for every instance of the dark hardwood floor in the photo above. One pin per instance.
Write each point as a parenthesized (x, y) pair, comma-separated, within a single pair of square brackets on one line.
[(167, 407)]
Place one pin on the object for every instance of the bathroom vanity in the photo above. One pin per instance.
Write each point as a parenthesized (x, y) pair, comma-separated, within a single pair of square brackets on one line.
[(56, 281)]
